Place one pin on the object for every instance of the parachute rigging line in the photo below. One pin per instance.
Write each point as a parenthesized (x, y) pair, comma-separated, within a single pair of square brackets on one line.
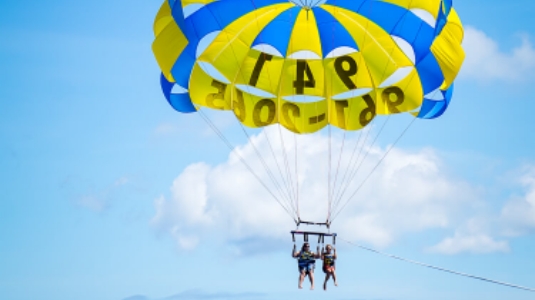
[(359, 165), (231, 147), (266, 167), (374, 168), (354, 171), (243, 77), (329, 178), (344, 183), (338, 199), (296, 176), (288, 180), (438, 268), (331, 192), (286, 184), (287, 165)]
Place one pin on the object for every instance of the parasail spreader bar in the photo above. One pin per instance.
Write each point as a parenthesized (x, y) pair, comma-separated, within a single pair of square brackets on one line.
[(321, 235)]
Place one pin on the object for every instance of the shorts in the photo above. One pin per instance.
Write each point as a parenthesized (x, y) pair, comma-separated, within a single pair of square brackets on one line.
[(306, 267), (328, 269)]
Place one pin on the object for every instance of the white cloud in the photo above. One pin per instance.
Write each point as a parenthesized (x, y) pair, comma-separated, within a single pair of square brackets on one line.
[(486, 234), (485, 61), (473, 243), (518, 214), (408, 192), (473, 236)]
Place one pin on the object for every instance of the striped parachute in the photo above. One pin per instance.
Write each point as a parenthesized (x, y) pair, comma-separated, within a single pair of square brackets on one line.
[(306, 64)]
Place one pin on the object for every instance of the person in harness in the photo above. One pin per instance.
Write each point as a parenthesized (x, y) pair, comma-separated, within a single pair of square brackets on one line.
[(329, 259), (306, 261)]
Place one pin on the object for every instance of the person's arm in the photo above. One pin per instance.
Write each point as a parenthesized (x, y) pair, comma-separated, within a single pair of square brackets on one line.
[(294, 253), (317, 254), (334, 253)]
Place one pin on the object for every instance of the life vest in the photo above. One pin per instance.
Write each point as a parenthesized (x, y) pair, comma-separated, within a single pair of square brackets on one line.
[(305, 258), (328, 260)]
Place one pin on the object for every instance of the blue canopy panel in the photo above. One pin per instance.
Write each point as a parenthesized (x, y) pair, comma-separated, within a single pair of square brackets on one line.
[(181, 70), (179, 101), (207, 19), (430, 73), (395, 20), (447, 6), (278, 32), (217, 15), (384, 14), (432, 109), (353, 5), (442, 19), (333, 35), (177, 13), (416, 32)]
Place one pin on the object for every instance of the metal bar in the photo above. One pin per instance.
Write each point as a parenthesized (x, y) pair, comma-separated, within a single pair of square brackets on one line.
[(312, 223), (306, 233)]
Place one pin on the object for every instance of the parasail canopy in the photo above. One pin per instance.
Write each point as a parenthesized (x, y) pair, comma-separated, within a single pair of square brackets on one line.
[(309, 63)]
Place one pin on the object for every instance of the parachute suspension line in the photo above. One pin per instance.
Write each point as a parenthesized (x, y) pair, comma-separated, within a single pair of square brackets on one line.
[(267, 169), (287, 185), (288, 179), (330, 190), (355, 171), (375, 167), (296, 175), (285, 182), (350, 161), (439, 268), (353, 165), (345, 185), (329, 178), (237, 62), (331, 196), (287, 165), (231, 147), (316, 3)]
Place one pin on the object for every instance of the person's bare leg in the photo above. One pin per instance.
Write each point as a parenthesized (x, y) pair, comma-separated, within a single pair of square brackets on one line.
[(311, 277), (334, 279), (325, 282), (301, 278)]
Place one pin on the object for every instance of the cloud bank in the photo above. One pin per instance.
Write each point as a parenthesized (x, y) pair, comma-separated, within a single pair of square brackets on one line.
[(490, 233), (408, 192), (486, 62)]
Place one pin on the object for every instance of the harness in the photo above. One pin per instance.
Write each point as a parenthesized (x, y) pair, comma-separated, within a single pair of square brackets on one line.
[(305, 258), (328, 260)]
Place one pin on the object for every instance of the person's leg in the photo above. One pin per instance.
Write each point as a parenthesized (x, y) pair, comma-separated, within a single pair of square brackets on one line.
[(334, 278), (301, 278), (311, 277), (327, 275)]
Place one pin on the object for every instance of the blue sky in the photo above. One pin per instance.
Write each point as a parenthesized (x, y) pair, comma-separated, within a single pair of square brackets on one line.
[(98, 174)]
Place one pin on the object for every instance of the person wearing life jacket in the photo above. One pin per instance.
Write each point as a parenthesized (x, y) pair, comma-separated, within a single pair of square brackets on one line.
[(306, 261), (329, 257)]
